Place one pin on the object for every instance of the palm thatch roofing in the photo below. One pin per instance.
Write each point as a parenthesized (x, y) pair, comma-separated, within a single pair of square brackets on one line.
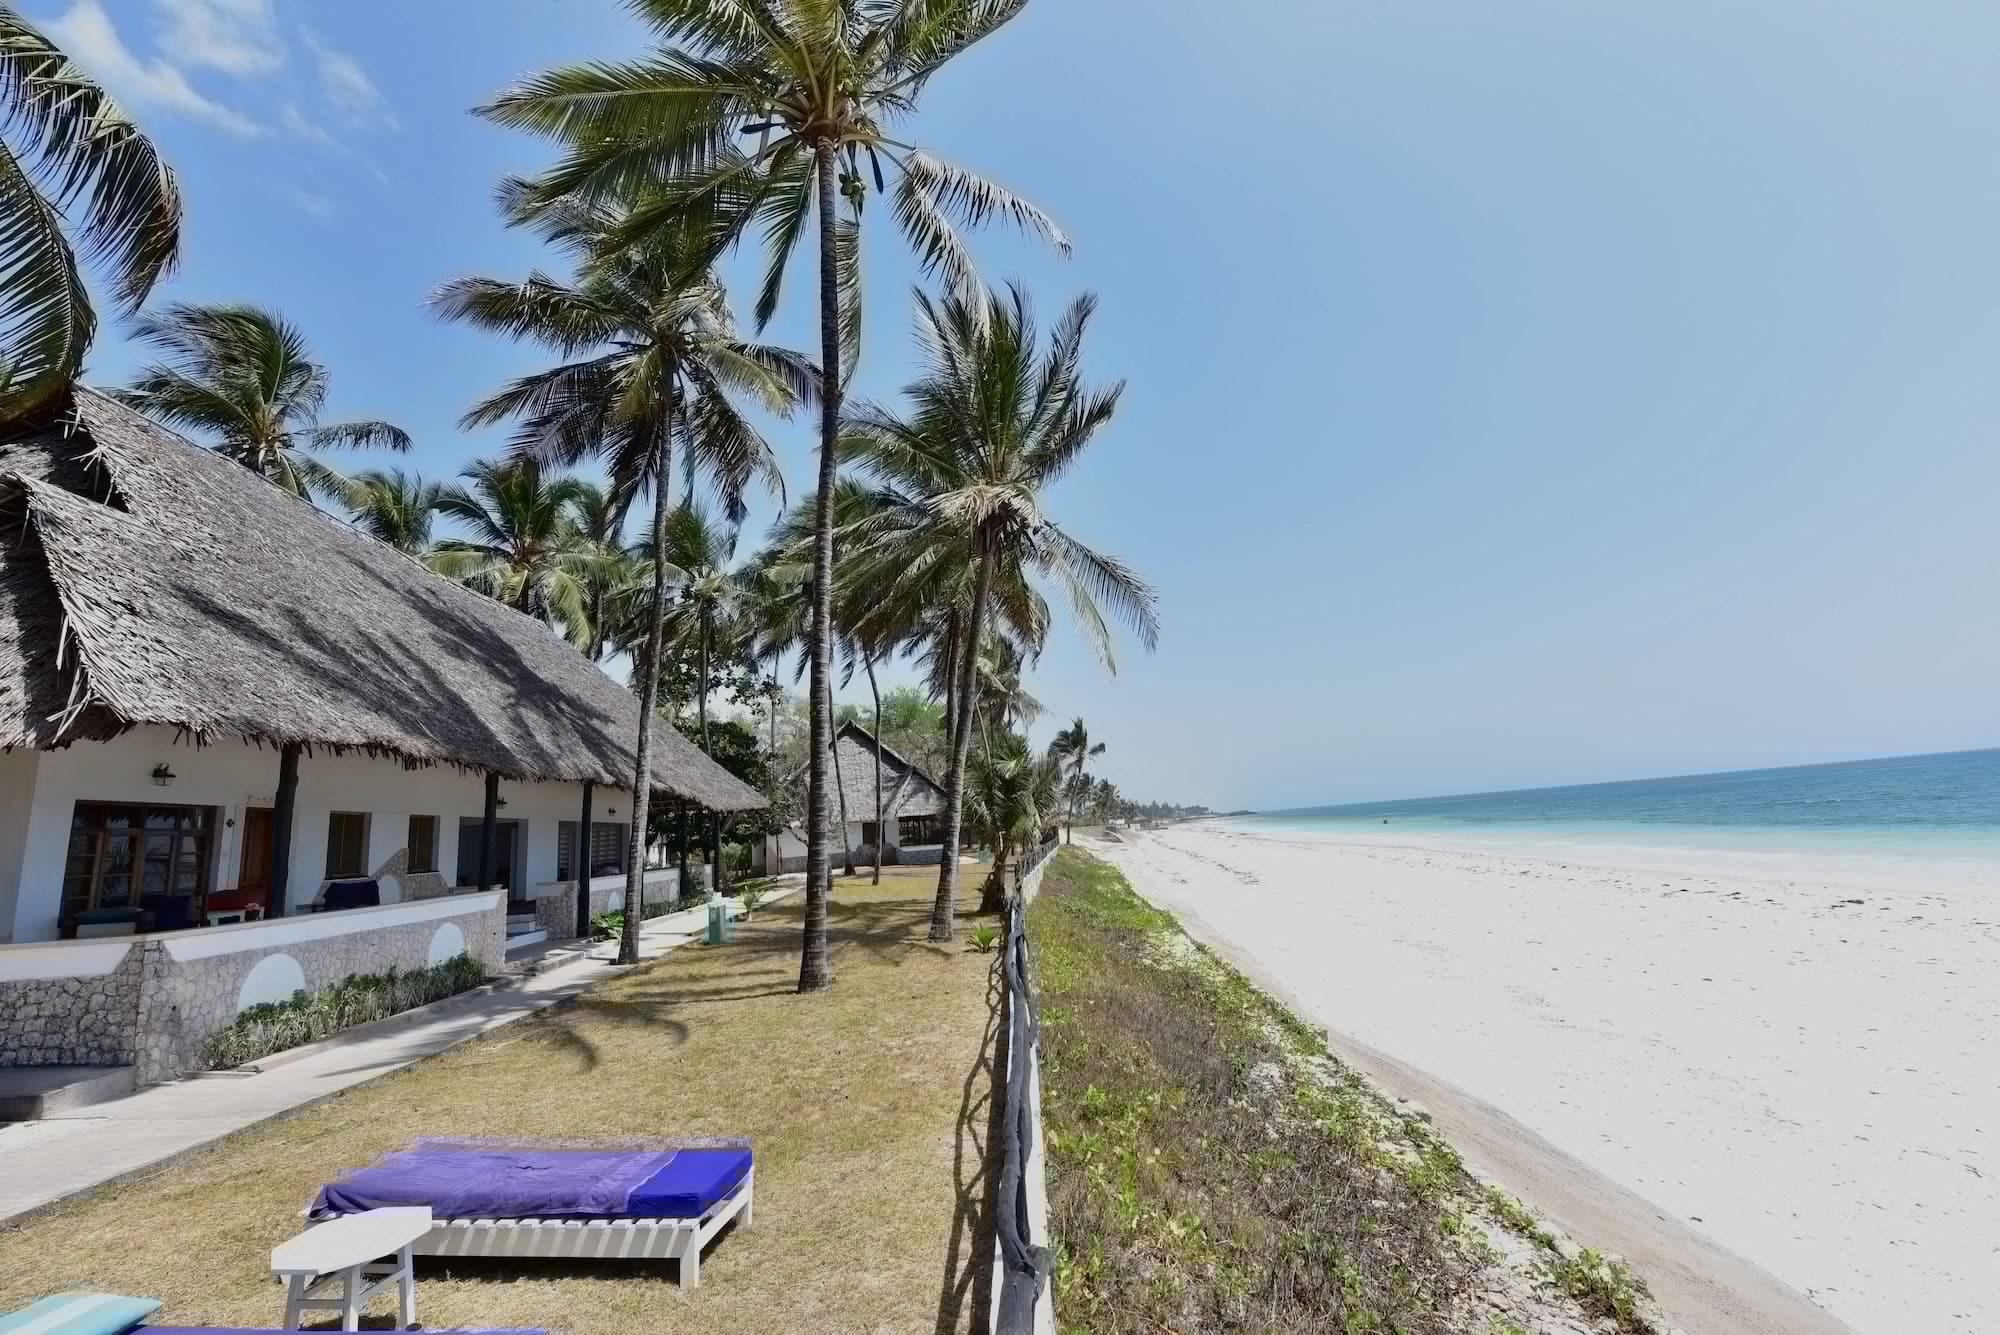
[(145, 580), (906, 789)]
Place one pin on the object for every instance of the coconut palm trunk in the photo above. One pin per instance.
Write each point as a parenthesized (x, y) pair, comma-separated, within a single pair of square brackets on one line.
[(701, 702), (840, 787), (945, 911), (951, 680), (815, 968), (875, 690), (579, 852), (649, 693)]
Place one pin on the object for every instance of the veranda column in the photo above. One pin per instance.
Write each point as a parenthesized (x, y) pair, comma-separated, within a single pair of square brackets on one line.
[(490, 831), (715, 851), (281, 827), (681, 806), (579, 863)]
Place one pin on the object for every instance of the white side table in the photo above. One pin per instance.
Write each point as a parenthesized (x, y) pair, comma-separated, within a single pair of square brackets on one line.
[(349, 1250)]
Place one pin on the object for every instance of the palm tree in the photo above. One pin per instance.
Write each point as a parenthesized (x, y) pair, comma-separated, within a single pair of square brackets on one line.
[(1010, 795), (650, 351), (521, 548), (994, 421), (815, 83), (241, 378), (394, 507), (70, 158), (1000, 700), (1073, 747), (1104, 800), (597, 521), (702, 551)]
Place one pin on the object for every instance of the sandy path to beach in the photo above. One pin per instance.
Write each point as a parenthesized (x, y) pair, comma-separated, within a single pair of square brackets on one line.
[(1810, 1082)]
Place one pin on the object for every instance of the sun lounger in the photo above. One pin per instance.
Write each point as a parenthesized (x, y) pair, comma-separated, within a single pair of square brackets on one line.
[(490, 1200)]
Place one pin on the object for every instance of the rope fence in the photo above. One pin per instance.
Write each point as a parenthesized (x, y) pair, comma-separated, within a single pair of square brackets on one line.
[(1024, 1262)]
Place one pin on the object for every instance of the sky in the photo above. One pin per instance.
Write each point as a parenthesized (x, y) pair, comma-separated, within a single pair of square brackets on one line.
[(1515, 395)]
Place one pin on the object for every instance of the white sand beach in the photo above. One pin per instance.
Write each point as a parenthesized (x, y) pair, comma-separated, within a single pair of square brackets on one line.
[(1798, 1057)]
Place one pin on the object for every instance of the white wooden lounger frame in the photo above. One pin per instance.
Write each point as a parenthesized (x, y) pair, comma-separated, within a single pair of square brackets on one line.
[(595, 1239)]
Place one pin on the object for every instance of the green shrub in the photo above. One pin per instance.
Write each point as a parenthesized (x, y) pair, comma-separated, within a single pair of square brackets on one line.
[(1604, 1284), (273, 1026), (983, 939), (608, 926)]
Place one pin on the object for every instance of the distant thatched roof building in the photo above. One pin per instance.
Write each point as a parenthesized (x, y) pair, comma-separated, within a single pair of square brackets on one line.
[(906, 789), (145, 580)]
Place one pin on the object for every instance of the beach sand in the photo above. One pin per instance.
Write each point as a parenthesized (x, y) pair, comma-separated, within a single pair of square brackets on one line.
[(1812, 1082)]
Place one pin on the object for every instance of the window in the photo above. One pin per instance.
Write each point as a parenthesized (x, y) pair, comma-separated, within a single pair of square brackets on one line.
[(918, 830), (119, 854), (607, 849), (868, 831), (423, 846), (346, 844)]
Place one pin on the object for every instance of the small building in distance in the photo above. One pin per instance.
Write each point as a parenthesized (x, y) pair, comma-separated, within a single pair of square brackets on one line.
[(912, 807)]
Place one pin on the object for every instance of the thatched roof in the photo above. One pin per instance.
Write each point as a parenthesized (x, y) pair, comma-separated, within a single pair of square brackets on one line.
[(906, 789), (145, 580)]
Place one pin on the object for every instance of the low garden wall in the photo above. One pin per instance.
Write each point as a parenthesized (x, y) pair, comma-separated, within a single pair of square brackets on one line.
[(555, 901), (72, 1003), (150, 1001)]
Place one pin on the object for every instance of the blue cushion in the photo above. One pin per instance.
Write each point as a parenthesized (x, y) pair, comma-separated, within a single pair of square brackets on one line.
[(80, 1314), (693, 1183)]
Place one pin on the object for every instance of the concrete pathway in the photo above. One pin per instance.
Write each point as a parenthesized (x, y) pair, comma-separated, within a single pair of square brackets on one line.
[(43, 1162)]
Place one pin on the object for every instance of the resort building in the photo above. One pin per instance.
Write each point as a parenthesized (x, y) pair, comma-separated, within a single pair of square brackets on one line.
[(221, 708), (912, 806)]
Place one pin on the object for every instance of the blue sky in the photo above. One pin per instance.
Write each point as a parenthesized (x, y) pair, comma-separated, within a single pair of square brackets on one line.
[(1516, 394)]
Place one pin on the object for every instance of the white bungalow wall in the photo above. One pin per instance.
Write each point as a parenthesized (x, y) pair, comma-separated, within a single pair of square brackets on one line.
[(39, 793), (17, 791)]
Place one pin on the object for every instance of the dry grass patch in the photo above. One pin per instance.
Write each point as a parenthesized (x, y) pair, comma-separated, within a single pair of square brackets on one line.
[(869, 1108)]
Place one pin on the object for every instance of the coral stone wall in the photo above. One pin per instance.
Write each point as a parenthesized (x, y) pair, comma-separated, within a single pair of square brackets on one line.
[(72, 1021), (415, 884)]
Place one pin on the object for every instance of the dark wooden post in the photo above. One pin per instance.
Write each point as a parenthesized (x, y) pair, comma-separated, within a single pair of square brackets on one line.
[(579, 863), (281, 827), (682, 807), (490, 832), (715, 837)]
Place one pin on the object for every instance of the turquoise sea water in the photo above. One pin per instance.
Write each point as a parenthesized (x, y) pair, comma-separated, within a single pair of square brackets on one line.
[(1939, 805)]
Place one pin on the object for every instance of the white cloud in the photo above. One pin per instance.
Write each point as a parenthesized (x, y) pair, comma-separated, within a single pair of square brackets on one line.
[(347, 88), (237, 37), (301, 126), (313, 205), (87, 34)]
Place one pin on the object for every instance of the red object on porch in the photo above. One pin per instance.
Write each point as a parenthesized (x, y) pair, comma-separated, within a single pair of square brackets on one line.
[(250, 904)]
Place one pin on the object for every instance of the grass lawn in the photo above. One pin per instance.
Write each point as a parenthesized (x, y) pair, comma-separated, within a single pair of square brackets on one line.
[(869, 1108)]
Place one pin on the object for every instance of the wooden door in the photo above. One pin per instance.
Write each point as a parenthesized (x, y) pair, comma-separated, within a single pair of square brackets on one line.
[(253, 880)]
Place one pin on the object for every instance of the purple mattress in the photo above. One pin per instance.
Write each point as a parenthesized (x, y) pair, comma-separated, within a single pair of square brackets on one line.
[(272, 1330), (542, 1184)]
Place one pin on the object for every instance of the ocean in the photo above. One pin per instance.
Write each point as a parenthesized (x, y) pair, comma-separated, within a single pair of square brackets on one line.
[(1945, 806)]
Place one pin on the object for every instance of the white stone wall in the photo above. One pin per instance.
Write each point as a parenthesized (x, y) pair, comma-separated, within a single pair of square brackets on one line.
[(38, 797), (17, 797)]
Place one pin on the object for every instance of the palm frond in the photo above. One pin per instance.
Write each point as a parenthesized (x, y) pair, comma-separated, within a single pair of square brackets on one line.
[(359, 436), (85, 143)]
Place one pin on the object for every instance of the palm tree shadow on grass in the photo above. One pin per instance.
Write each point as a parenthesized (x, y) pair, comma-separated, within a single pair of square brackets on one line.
[(560, 1027)]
